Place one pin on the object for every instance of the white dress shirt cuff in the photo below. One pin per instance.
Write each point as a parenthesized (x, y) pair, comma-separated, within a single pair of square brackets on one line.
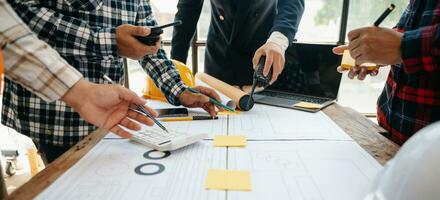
[(279, 39)]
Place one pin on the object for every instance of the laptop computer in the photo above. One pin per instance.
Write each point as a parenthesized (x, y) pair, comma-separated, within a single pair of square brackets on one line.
[(309, 81)]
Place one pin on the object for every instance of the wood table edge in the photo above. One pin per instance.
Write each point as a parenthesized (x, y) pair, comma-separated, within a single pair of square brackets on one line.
[(364, 132), (53, 171)]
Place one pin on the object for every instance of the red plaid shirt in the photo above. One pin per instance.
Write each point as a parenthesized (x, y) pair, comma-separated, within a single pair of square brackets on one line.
[(411, 97)]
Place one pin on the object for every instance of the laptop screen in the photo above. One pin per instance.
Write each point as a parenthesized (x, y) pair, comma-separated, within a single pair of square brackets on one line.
[(310, 69)]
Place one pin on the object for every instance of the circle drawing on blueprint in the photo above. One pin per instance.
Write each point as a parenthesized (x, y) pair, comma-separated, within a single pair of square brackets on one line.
[(113, 169), (148, 169), (156, 155), (120, 153)]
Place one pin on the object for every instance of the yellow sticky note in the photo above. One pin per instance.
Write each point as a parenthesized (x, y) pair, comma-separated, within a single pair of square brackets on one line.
[(218, 179), (229, 141), (303, 104), (222, 113), (348, 62)]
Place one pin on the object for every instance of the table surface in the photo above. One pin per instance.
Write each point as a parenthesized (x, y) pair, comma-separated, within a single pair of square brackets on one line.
[(366, 133)]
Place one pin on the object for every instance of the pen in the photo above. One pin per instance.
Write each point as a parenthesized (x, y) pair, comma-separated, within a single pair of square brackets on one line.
[(212, 100), (141, 109), (377, 23), (384, 14), (177, 119)]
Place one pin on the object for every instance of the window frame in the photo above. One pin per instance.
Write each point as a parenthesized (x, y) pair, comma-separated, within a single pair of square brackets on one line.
[(196, 42)]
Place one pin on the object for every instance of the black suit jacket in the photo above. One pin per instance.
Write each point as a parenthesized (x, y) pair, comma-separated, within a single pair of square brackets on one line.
[(236, 31)]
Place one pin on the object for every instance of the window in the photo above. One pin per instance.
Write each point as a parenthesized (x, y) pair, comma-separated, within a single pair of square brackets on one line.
[(362, 95), (320, 23), (313, 28)]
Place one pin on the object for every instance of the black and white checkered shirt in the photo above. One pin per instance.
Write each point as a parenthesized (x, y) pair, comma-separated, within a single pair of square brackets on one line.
[(83, 32)]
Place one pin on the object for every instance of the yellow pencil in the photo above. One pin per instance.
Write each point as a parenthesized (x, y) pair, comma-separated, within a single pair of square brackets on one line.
[(177, 119)]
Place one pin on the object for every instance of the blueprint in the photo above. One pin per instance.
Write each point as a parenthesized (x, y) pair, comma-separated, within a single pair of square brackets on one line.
[(272, 123), (119, 169), (304, 170), (289, 154)]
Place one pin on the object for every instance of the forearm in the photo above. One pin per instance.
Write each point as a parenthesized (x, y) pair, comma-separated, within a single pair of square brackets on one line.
[(31, 62), (73, 36), (288, 17), (421, 49), (165, 76), (188, 11)]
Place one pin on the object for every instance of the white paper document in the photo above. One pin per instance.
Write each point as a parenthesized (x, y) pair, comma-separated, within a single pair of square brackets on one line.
[(300, 170), (271, 123), (119, 169)]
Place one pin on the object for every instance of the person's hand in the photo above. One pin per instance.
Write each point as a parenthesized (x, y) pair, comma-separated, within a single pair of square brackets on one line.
[(274, 59), (356, 71), (128, 46), (107, 106), (192, 100), (375, 45)]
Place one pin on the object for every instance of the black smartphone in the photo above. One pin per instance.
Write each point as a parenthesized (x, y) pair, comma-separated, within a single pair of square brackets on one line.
[(155, 33), (172, 112)]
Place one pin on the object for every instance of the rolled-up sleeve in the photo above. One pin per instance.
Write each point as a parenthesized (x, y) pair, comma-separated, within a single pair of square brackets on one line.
[(31, 62)]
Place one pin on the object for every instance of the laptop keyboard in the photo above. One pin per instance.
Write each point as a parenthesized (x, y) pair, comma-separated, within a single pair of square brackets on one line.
[(316, 100)]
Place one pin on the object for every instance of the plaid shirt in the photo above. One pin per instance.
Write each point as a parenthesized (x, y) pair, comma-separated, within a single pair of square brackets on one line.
[(31, 62), (83, 32), (411, 97)]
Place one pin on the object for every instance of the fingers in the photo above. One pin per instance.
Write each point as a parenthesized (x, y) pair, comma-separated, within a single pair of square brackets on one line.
[(339, 50), (121, 132), (140, 118), (201, 99), (151, 111), (374, 72), (130, 124), (352, 35), (139, 31), (256, 58), (277, 68), (158, 43), (268, 64), (362, 73), (356, 53), (354, 71), (354, 48), (210, 108), (340, 69), (130, 96), (210, 92)]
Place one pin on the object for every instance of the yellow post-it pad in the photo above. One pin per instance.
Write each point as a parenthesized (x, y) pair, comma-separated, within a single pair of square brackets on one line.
[(348, 62), (229, 141), (218, 179), (308, 105), (222, 113)]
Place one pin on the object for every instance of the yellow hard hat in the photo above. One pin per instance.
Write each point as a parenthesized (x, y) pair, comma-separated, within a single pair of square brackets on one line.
[(152, 92)]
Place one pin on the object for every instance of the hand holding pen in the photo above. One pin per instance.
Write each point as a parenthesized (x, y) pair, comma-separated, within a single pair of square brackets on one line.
[(142, 110), (202, 97), (372, 44)]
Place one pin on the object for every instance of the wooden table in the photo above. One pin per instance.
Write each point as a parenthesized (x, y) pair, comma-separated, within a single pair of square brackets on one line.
[(366, 133)]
